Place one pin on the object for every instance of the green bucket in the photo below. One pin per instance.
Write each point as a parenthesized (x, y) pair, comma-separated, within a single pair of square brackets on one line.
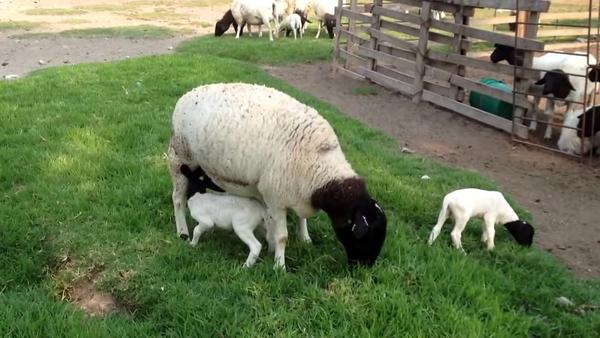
[(491, 104)]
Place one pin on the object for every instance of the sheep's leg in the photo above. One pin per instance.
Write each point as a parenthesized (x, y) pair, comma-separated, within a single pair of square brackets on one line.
[(180, 184), (318, 29), (237, 34), (533, 122), (260, 31), (198, 231), (247, 236), (442, 217), (549, 112), (278, 229), (456, 234), (489, 230), (303, 230)]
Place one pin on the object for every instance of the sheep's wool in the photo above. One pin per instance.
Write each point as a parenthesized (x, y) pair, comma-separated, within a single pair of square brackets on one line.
[(256, 141)]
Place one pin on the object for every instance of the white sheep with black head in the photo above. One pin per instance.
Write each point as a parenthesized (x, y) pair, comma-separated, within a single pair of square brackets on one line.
[(255, 141)]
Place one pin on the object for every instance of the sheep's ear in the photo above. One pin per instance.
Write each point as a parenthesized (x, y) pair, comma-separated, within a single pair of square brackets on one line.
[(360, 225), (541, 81)]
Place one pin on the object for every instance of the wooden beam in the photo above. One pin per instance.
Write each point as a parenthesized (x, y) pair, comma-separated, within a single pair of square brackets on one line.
[(524, 5), (393, 40), (421, 50), (354, 15), (338, 28), (388, 82), (437, 5), (375, 24), (414, 31)]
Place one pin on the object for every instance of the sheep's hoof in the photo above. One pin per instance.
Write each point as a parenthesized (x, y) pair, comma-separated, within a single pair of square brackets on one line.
[(184, 236)]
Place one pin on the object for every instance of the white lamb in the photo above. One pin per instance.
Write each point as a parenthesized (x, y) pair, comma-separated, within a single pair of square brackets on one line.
[(491, 206), (254, 12), (293, 22), (569, 140), (240, 214), (255, 141)]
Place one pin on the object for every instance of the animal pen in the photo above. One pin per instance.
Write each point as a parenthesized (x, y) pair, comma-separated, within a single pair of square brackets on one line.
[(406, 46)]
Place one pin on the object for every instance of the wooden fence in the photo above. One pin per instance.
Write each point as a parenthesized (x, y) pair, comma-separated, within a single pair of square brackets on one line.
[(371, 43)]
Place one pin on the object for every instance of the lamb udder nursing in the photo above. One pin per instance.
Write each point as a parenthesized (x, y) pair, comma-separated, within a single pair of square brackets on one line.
[(255, 141)]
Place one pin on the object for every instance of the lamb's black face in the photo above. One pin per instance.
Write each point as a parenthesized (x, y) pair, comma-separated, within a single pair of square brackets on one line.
[(594, 75), (557, 83), (521, 231), (363, 232)]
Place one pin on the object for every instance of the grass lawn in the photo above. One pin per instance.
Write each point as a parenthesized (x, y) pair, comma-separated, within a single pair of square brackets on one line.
[(86, 194), (126, 32)]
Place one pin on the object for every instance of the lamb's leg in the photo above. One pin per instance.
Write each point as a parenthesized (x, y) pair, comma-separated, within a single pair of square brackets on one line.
[(489, 230), (180, 183), (549, 112), (533, 122), (260, 31), (247, 236), (294, 33), (318, 29), (459, 226), (198, 231), (303, 230), (278, 229)]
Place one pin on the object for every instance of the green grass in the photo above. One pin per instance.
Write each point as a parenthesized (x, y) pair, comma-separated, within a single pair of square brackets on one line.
[(17, 25), (55, 11), (84, 175), (364, 90), (127, 32)]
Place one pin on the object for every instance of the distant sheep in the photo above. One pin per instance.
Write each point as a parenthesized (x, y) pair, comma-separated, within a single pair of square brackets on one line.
[(223, 25), (255, 141), (325, 12), (293, 23), (491, 206), (254, 12)]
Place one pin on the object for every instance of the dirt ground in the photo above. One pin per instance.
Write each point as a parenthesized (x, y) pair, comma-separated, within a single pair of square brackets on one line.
[(560, 193)]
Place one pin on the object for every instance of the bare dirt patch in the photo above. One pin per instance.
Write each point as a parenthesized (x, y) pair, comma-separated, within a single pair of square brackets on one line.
[(561, 194)]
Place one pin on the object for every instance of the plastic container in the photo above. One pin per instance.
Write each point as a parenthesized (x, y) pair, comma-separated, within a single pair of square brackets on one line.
[(491, 104)]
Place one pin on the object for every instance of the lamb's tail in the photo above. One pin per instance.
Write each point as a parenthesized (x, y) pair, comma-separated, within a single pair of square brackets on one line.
[(443, 216)]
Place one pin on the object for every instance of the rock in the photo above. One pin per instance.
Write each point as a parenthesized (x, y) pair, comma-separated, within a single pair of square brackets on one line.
[(564, 301), (425, 177), (11, 77), (4, 64), (41, 62), (170, 48)]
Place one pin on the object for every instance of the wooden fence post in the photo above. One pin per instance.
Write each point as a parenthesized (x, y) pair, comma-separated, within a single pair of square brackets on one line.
[(522, 85), (459, 19), (421, 50), (338, 27), (373, 43)]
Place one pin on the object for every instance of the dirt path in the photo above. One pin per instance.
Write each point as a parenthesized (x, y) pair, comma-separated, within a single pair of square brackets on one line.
[(562, 195)]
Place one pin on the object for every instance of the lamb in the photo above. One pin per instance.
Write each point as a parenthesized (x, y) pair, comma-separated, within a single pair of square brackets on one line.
[(491, 206), (240, 214), (255, 141), (254, 12), (295, 23), (556, 81), (570, 139), (198, 182), (325, 10)]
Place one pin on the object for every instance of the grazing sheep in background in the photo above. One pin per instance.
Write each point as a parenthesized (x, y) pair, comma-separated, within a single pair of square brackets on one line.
[(555, 81), (303, 7), (254, 12), (255, 141), (570, 139), (491, 206), (293, 23), (223, 25), (240, 214), (325, 12)]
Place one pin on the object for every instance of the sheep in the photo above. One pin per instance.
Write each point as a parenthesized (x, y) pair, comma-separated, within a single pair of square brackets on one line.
[(325, 10), (255, 141), (240, 214), (254, 12), (223, 25), (294, 23), (570, 138), (463, 204), (555, 81)]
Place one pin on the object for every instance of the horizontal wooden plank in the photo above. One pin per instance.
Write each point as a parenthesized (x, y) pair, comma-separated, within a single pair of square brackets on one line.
[(483, 64), (437, 5), (393, 40), (524, 5), (349, 73), (391, 83), (355, 15), (351, 57), (494, 21), (395, 51), (564, 16), (385, 58), (352, 37), (564, 31), (414, 31), (494, 37), (468, 111), (429, 82), (415, 19)]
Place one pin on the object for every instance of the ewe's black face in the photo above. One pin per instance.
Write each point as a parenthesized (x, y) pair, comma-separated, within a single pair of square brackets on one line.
[(521, 231), (556, 83), (220, 28), (591, 117), (329, 24), (362, 233), (502, 52)]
